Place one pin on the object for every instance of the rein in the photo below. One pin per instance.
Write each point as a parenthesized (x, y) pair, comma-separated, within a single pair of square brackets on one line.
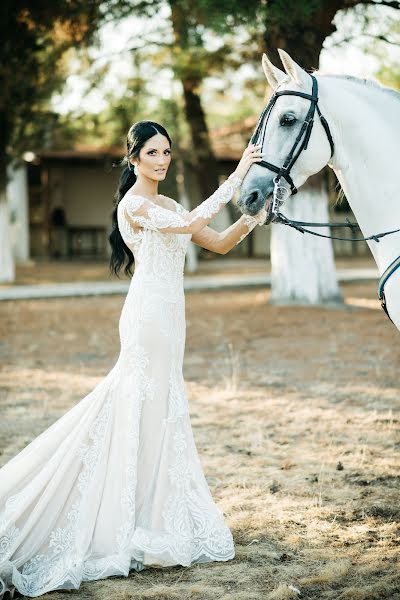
[(301, 226), (281, 193)]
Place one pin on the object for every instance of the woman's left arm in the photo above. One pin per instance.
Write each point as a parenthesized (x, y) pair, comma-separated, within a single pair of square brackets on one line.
[(222, 242)]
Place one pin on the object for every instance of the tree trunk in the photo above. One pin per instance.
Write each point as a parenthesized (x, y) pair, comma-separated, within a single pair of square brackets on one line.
[(202, 156), (303, 269), (302, 265), (7, 266), (301, 34)]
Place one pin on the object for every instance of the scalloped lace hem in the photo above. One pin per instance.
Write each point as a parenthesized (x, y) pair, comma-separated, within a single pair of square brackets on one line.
[(93, 569)]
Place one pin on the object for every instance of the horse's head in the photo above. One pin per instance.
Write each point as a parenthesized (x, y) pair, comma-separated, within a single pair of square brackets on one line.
[(278, 134)]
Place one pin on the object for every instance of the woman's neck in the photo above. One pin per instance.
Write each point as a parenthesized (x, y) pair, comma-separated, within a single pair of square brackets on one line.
[(146, 187)]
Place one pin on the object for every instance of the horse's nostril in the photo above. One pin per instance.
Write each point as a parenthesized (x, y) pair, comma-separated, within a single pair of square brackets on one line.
[(252, 198)]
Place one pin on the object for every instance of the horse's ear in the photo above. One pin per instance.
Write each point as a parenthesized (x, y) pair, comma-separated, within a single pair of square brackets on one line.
[(274, 75), (293, 69)]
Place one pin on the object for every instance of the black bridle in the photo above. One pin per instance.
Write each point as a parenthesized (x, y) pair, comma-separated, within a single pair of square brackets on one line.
[(280, 192), (301, 142), (303, 137)]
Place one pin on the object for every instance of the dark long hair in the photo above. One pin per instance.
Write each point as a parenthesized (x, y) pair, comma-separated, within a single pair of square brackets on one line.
[(137, 136)]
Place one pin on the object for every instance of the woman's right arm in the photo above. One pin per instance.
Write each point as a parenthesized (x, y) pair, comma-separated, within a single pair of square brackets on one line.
[(141, 212)]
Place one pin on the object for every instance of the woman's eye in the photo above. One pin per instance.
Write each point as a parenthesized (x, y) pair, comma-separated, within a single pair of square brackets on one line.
[(287, 120)]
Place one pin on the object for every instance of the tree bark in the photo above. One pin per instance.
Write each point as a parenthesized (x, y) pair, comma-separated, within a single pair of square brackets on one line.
[(203, 156), (302, 36)]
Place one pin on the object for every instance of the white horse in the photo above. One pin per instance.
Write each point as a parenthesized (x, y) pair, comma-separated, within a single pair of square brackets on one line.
[(364, 120)]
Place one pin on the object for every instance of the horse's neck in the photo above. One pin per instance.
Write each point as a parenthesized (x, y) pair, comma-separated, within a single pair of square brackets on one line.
[(364, 123)]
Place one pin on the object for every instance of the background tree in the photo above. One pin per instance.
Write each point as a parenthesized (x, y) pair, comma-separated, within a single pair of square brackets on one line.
[(35, 40), (301, 31)]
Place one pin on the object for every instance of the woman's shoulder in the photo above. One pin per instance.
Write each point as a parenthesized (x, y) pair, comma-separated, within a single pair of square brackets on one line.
[(173, 204), (132, 200)]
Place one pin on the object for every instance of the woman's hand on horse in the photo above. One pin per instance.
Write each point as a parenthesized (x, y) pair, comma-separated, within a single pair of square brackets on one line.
[(251, 155)]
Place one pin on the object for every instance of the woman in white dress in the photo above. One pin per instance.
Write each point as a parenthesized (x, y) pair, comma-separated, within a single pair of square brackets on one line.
[(116, 483)]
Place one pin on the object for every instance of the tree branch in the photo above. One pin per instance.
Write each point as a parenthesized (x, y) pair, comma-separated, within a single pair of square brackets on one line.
[(145, 44), (382, 38)]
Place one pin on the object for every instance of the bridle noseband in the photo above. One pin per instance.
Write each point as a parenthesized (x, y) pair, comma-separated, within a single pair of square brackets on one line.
[(303, 137)]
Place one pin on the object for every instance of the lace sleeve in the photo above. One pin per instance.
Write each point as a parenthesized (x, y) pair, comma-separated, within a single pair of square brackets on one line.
[(141, 212), (210, 207), (251, 222)]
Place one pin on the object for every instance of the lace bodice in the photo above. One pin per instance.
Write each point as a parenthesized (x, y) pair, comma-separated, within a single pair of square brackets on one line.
[(160, 240), (157, 255)]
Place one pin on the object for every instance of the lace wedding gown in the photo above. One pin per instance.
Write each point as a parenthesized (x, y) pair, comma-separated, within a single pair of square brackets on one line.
[(116, 483)]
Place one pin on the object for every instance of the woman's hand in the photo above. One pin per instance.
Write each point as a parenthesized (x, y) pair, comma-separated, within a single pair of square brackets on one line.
[(251, 155)]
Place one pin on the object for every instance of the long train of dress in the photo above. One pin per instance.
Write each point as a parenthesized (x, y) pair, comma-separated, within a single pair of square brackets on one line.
[(116, 483)]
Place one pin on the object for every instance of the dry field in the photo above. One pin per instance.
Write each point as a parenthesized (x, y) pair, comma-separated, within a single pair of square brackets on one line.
[(296, 419)]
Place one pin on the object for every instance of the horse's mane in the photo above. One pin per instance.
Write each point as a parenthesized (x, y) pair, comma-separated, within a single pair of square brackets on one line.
[(370, 83)]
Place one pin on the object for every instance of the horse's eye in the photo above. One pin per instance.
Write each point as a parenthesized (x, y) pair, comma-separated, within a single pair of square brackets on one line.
[(287, 120)]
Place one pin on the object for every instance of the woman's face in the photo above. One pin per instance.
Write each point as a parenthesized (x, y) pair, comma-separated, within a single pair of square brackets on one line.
[(154, 158)]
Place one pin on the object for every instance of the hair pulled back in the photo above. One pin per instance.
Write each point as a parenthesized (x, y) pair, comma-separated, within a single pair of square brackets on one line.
[(137, 136)]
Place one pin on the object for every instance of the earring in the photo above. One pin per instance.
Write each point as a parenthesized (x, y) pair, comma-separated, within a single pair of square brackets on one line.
[(135, 170)]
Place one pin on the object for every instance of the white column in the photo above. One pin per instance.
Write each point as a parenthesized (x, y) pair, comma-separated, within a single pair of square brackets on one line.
[(191, 264), (18, 205), (7, 266)]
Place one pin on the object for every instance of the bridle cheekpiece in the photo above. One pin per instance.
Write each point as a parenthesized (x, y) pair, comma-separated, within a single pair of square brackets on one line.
[(301, 142)]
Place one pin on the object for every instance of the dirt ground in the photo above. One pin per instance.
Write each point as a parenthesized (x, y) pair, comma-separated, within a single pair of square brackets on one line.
[(295, 414)]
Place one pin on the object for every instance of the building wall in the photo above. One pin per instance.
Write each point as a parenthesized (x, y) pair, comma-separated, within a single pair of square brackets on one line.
[(86, 193)]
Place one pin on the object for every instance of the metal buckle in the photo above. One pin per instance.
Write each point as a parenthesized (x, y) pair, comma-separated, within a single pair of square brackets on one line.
[(279, 195)]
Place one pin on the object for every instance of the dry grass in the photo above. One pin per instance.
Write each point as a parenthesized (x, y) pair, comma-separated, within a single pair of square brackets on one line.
[(296, 419)]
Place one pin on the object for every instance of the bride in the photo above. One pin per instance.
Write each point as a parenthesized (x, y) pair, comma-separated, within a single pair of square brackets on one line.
[(116, 483)]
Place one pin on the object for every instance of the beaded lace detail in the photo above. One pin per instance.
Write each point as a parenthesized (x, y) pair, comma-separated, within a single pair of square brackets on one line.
[(148, 215)]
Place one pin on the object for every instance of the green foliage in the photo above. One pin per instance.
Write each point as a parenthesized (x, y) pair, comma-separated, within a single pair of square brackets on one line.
[(389, 75), (208, 38), (384, 49), (35, 40)]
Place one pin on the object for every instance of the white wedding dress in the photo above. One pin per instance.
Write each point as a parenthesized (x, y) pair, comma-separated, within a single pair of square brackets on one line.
[(116, 483)]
